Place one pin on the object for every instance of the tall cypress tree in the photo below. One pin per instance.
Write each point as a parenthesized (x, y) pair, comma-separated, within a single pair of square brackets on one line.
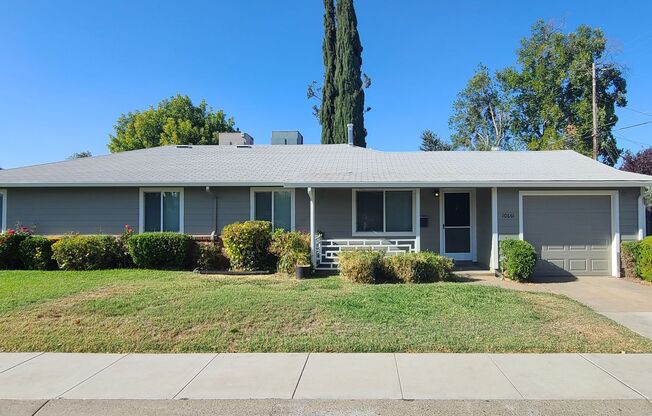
[(329, 92), (349, 102)]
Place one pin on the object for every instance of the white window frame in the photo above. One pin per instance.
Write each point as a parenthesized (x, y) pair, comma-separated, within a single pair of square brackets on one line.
[(615, 218), (472, 255), (354, 214), (3, 217), (141, 208), (252, 203)]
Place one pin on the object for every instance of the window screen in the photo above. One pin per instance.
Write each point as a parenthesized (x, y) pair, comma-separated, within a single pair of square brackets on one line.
[(152, 211), (398, 211), (369, 211), (263, 206)]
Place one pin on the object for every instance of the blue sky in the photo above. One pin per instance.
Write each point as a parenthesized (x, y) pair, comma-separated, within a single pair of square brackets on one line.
[(68, 69)]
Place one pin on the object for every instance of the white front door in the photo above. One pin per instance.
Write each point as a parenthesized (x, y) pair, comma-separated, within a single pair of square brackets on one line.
[(457, 224)]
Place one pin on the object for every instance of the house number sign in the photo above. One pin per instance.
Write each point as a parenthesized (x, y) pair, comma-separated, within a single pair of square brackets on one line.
[(508, 215)]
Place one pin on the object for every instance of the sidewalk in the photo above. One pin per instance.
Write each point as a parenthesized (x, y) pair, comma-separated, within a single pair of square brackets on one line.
[(44, 376)]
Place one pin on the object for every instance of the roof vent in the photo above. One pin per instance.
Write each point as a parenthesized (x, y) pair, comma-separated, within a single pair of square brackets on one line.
[(243, 146), (184, 146)]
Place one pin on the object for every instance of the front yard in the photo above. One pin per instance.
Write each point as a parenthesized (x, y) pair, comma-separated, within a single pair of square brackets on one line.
[(158, 311)]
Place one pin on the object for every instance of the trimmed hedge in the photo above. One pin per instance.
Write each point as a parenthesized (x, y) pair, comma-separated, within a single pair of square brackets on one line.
[(629, 252), (517, 259), (210, 256), (9, 246), (361, 266), (35, 253), (88, 252), (422, 267), (168, 251), (292, 249), (247, 245), (644, 259)]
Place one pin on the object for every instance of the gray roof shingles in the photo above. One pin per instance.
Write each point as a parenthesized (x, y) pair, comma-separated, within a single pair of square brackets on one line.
[(315, 165)]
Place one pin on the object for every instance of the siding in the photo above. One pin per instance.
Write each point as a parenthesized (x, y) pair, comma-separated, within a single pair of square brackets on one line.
[(232, 205), (199, 211), (57, 211), (483, 225), (629, 213), (430, 210), (333, 212), (301, 210)]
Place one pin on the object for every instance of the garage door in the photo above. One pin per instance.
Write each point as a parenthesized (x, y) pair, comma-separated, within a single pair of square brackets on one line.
[(572, 234)]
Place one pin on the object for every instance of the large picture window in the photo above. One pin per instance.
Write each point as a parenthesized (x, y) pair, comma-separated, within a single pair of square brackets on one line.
[(275, 206), (383, 212), (161, 210), (3, 210)]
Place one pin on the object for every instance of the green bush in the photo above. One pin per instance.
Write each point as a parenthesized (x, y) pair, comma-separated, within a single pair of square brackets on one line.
[(291, 248), (247, 245), (88, 252), (168, 251), (361, 266), (210, 256), (628, 257), (422, 267), (517, 259), (9, 244), (644, 260), (36, 253)]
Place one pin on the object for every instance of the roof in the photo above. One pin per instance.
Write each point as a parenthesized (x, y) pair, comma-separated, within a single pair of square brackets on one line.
[(321, 165)]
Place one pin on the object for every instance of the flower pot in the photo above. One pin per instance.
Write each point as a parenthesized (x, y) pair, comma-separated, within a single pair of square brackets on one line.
[(301, 271)]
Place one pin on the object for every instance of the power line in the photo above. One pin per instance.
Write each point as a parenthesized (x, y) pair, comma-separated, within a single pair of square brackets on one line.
[(633, 125), (638, 111)]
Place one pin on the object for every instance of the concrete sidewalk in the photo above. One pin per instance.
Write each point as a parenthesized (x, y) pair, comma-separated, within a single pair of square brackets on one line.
[(511, 377)]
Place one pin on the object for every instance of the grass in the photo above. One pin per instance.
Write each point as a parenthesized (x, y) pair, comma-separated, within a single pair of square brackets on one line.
[(160, 311)]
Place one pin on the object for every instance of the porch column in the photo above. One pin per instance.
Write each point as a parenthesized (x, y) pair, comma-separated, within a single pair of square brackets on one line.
[(313, 253), (494, 262), (417, 243)]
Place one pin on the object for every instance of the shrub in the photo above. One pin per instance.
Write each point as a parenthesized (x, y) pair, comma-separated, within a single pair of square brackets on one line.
[(517, 259), (36, 253), (9, 245), (247, 245), (291, 249), (423, 267), (87, 252), (210, 256), (644, 260), (361, 266), (170, 251), (628, 257)]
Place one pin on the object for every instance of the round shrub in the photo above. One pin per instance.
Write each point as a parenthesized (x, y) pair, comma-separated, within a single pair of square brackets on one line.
[(644, 260), (88, 252), (210, 256), (517, 259), (247, 245), (422, 267), (168, 251), (292, 249), (36, 253), (629, 256), (361, 266), (9, 244)]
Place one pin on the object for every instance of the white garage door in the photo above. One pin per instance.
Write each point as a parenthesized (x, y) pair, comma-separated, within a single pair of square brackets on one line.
[(572, 234)]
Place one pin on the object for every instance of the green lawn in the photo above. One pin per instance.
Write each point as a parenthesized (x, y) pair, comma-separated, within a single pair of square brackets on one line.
[(156, 311)]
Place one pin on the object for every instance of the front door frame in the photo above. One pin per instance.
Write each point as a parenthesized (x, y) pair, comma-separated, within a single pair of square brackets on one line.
[(473, 254)]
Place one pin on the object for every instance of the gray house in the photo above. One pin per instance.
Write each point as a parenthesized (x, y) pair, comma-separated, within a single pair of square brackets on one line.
[(575, 211)]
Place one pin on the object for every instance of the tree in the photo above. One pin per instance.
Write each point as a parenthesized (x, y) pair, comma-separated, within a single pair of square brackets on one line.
[(552, 92), (481, 114), (328, 90), (641, 162), (174, 121), (349, 101), (80, 155), (431, 142)]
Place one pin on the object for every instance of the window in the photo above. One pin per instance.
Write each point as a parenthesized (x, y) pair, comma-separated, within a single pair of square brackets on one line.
[(161, 210), (390, 212), (275, 206), (3, 210)]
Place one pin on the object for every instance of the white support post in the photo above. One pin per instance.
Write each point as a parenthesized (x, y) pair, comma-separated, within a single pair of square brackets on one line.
[(417, 243), (494, 230), (313, 253)]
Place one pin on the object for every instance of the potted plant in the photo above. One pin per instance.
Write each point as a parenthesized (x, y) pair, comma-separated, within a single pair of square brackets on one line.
[(302, 270)]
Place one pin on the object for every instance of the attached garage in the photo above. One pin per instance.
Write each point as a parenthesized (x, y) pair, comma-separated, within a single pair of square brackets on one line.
[(572, 231)]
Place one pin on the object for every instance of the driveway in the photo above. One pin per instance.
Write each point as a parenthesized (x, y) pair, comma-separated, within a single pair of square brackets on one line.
[(626, 302)]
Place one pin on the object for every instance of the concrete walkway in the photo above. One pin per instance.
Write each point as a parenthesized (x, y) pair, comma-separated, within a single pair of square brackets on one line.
[(34, 376)]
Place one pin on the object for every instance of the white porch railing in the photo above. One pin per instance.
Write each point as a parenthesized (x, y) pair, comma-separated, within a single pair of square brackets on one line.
[(327, 250)]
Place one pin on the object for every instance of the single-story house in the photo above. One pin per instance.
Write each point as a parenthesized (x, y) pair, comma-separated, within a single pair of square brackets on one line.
[(574, 210)]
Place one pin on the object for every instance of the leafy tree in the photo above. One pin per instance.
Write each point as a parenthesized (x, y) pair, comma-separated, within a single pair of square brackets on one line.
[(328, 90), (174, 121), (481, 114), (80, 155), (641, 162), (431, 142), (552, 91)]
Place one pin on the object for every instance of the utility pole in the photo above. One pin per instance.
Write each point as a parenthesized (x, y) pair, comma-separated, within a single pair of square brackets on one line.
[(595, 116)]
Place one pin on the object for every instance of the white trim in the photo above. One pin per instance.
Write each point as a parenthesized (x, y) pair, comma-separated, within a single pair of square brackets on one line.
[(642, 232), (141, 207), (615, 217), (252, 202), (472, 255), (355, 233), (494, 261), (313, 252), (3, 218)]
